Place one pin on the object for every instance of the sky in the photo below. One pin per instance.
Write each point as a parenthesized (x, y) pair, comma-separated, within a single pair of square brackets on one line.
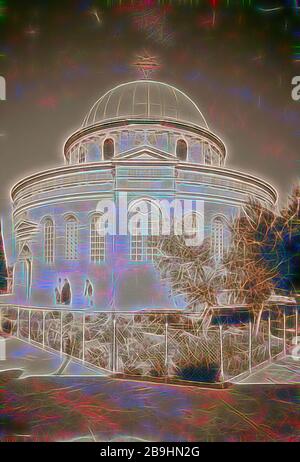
[(235, 59)]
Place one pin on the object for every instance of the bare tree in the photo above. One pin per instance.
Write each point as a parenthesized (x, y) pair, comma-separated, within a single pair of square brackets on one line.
[(195, 273), (251, 278), (192, 272)]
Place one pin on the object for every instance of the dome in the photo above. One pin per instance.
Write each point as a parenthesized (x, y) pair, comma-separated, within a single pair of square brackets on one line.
[(145, 99)]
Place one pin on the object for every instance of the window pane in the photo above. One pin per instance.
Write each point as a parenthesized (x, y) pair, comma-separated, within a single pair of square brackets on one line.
[(218, 238), (71, 239), (181, 150), (97, 240), (49, 242), (108, 149)]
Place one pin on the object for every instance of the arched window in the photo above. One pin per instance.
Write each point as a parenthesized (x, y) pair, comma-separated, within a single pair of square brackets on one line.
[(97, 236), (108, 149), (71, 244), (26, 258), (49, 241), (136, 242), (144, 226), (218, 238), (181, 150)]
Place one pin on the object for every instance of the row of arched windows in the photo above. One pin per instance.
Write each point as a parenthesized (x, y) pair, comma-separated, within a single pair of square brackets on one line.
[(109, 150), (143, 238), (97, 241)]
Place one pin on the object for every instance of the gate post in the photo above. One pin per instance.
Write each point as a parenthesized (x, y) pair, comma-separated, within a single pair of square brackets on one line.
[(114, 345), (269, 336), (221, 352), (296, 322), (44, 319), (2, 349), (83, 337), (18, 323), (29, 327), (61, 333), (284, 333), (167, 346), (250, 346)]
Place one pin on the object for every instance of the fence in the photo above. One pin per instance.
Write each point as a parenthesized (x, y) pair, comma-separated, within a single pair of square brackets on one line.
[(153, 344)]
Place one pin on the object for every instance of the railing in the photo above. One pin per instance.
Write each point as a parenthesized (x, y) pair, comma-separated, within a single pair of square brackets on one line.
[(153, 344)]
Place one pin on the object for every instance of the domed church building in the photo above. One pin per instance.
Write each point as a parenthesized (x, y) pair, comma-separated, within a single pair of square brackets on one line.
[(143, 147)]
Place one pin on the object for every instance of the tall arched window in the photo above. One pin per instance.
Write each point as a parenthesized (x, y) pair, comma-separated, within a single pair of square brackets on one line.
[(49, 238), (71, 244), (136, 242), (26, 259), (108, 149), (144, 226), (97, 236), (218, 238), (181, 150)]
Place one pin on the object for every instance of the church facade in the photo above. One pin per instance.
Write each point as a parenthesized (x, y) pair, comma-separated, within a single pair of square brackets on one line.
[(143, 144)]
